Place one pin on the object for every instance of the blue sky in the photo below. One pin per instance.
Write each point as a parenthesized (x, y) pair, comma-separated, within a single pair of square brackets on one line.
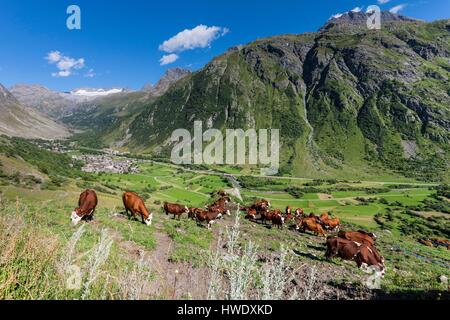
[(120, 43)]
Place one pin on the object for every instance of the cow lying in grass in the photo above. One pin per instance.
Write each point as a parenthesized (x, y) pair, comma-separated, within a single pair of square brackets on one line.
[(134, 205), (361, 253), (175, 209), (86, 207), (362, 237)]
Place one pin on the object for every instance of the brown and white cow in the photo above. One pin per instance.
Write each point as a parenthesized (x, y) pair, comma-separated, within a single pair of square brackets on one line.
[(361, 253), (251, 214), (278, 219), (176, 209), (299, 212), (209, 216), (261, 206), (134, 205), (193, 212), (362, 237), (329, 223), (86, 207), (358, 236), (310, 224), (268, 215)]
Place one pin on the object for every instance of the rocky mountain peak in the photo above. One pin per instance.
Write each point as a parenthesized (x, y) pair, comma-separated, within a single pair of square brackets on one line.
[(353, 19), (6, 96), (170, 76)]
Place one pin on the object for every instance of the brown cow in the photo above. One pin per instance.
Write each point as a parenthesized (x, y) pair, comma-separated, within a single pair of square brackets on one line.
[(268, 215), (288, 217), (261, 206), (299, 212), (251, 214), (361, 253), (330, 224), (358, 236), (193, 212), (135, 205), (209, 216), (362, 237), (310, 224), (222, 193), (278, 220), (86, 207), (175, 209)]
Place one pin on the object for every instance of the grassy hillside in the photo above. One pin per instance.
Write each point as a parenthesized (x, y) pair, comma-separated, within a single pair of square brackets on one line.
[(400, 213)]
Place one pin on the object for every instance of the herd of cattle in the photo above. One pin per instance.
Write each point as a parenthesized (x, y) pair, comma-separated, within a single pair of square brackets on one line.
[(358, 246)]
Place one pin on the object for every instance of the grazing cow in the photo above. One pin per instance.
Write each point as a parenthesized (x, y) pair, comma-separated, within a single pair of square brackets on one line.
[(134, 205), (86, 207), (268, 215), (299, 212), (278, 220), (261, 206), (193, 212), (209, 216), (330, 224), (251, 214), (288, 217), (175, 209), (222, 193), (441, 242), (361, 253), (310, 224), (222, 210), (222, 202), (426, 242)]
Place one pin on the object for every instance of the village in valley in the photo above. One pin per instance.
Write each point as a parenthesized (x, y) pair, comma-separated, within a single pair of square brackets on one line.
[(106, 164)]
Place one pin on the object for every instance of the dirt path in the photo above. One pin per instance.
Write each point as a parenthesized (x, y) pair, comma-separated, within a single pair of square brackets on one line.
[(171, 280)]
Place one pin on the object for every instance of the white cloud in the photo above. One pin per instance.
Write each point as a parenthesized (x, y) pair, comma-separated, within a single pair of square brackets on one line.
[(200, 37), (383, 1), (53, 56), (65, 64), (356, 9), (397, 9), (168, 59)]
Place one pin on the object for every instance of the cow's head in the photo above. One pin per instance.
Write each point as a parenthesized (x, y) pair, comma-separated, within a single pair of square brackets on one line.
[(186, 210), (148, 221), (75, 217)]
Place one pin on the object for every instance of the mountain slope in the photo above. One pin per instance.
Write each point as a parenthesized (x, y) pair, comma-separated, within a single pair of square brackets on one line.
[(15, 120), (355, 103)]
